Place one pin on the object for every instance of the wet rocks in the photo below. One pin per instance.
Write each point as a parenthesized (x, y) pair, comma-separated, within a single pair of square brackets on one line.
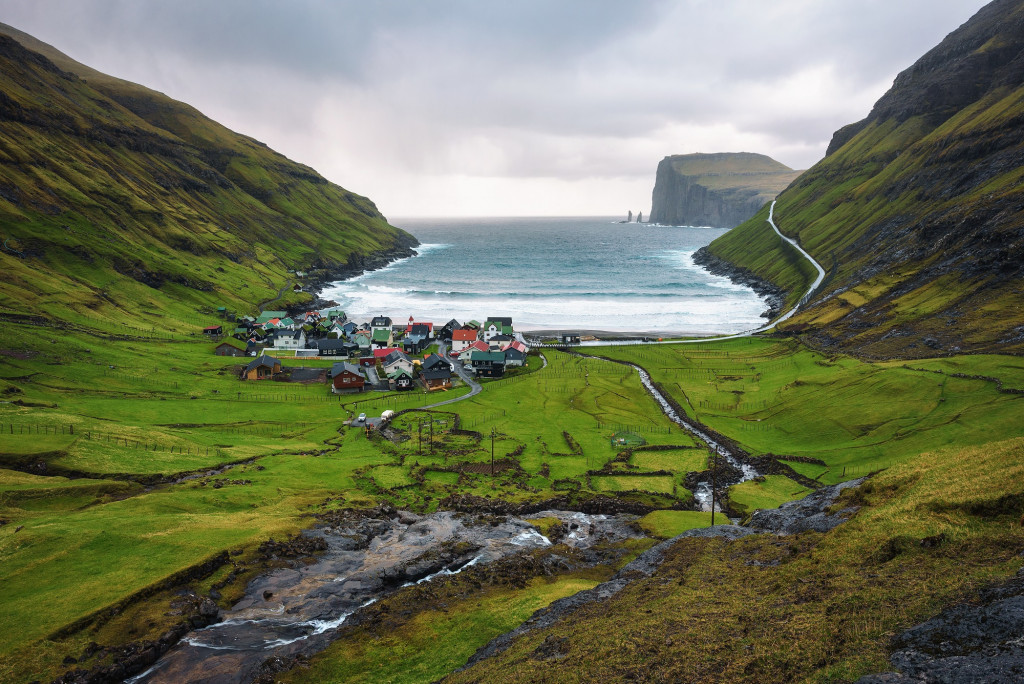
[(773, 296), (809, 513), (299, 546), (965, 643)]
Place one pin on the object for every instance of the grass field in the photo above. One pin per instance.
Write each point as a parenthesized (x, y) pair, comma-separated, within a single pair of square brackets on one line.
[(122, 413), (776, 397)]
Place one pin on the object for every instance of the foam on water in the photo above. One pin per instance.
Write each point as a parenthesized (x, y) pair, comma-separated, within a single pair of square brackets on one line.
[(555, 273)]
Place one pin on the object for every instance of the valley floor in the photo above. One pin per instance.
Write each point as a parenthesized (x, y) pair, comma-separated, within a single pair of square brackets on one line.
[(131, 465)]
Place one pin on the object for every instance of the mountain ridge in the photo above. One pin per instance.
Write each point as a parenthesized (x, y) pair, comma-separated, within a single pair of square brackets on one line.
[(106, 185), (917, 210)]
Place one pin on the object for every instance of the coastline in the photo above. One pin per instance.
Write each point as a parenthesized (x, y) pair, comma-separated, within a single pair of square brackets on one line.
[(774, 296), (320, 275)]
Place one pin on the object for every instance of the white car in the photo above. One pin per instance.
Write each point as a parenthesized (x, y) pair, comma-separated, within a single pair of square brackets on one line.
[(361, 418)]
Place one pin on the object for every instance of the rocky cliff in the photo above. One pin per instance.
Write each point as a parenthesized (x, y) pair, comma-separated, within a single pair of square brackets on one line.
[(917, 212), (721, 190)]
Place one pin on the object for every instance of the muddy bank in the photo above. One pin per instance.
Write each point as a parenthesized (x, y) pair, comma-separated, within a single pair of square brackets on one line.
[(297, 610)]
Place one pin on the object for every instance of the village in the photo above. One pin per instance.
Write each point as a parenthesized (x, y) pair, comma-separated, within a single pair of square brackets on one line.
[(378, 354)]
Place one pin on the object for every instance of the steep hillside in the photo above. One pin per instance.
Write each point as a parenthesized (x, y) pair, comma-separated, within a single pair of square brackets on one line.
[(918, 210), (720, 190), (116, 198)]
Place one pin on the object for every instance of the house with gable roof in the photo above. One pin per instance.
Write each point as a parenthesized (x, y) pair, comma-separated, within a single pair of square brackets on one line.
[(230, 347), (347, 377), (437, 379), (461, 339), (496, 326), (363, 338), (436, 362), (514, 356), (446, 332), (266, 316), (287, 339), (478, 346), (498, 342), (488, 364), (419, 327), (401, 381), (382, 337), (397, 360), (380, 323), (261, 367)]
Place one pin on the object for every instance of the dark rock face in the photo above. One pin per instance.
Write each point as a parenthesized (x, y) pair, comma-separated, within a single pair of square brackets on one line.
[(965, 643), (809, 513), (774, 296), (954, 74), (719, 190)]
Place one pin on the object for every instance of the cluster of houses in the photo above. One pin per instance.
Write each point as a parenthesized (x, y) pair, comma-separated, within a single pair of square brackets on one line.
[(378, 353)]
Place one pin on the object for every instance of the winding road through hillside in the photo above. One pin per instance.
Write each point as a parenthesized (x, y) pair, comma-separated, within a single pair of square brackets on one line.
[(747, 333)]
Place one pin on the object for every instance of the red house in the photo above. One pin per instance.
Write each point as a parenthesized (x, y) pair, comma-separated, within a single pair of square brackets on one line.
[(346, 377)]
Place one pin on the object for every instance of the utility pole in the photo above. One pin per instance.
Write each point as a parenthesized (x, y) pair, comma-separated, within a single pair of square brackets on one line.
[(419, 449), (492, 452), (431, 435)]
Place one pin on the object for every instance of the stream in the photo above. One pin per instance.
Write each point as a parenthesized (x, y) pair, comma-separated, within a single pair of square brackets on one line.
[(299, 609), (702, 494)]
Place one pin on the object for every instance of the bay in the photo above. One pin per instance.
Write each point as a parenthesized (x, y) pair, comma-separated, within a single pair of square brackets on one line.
[(588, 274)]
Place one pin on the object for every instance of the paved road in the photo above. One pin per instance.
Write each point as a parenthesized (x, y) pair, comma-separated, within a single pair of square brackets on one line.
[(474, 386), (747, 333), (814, 285)]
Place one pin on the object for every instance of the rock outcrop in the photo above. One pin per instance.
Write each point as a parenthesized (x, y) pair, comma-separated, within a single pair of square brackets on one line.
[(720, 190), (964, 643)]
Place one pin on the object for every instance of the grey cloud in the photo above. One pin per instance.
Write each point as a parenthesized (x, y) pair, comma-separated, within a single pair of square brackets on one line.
[(533, 88)]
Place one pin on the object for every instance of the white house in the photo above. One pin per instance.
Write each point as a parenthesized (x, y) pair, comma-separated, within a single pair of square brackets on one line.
[(287, 339), (397, 360), (462, 339)]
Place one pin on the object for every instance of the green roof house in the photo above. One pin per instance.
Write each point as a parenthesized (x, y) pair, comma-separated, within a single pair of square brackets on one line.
[(267, 315)]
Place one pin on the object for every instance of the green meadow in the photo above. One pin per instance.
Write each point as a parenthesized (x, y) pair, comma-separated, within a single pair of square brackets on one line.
[(781, 398), (112, 453)]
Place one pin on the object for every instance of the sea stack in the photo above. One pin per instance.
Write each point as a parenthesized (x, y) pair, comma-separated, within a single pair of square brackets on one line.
[(721, 190)]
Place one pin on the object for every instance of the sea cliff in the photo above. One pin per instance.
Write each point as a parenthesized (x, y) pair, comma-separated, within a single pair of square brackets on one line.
[(721, 190)]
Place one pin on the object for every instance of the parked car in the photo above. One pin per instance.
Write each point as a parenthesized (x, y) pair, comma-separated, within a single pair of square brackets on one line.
[(361, 418)]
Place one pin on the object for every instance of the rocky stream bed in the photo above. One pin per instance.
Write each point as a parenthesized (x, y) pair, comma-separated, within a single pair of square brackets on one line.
[(298, 610)]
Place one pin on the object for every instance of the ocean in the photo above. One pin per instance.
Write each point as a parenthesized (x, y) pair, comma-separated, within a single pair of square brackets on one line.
[(555, 274)]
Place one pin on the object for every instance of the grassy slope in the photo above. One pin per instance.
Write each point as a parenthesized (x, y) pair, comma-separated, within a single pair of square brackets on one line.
[(777, 397), (864, 416), (811, 608), (915, 220), (735, 171), (120, 198)]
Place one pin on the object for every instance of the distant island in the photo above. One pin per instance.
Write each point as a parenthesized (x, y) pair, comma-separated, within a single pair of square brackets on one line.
[(721, 190)]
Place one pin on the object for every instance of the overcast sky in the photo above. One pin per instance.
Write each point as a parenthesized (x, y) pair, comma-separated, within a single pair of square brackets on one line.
[(507, 108)]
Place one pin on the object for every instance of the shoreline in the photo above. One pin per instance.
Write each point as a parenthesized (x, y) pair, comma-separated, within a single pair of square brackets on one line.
[(321, 278), (617, 334)]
